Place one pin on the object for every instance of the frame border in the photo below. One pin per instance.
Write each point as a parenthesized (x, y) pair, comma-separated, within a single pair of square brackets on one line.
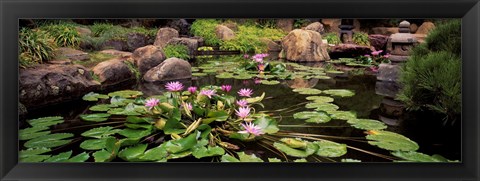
[(11, 11)]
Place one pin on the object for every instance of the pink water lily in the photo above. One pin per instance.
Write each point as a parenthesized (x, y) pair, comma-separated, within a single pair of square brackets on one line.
[(188, 105), (209, 93), (375, 53), (242, 103), (258, 81), (261, 67), (226, 88), (192, 89), (245, 92), (251, 128), (243, 112), (246, 56), (386, 56), (150, 103), (174, 86)]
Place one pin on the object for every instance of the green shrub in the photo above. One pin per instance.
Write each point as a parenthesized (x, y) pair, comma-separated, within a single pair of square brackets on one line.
[(252, 39), (65, 34), (205, 28), (299, 23), (361, 38), (36, 46), (103, 32), (446, 37), (332, 38), (178, 51)]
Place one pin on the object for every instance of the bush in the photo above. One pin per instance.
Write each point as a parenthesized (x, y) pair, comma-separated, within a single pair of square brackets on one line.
[(446, 37), (103, 32), (205, 28), (361, 38), (251, 39), (178, 51), (332, 38), (65, 34), (36, 46)]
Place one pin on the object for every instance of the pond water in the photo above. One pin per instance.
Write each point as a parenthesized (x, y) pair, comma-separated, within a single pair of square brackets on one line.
[(281, 103)]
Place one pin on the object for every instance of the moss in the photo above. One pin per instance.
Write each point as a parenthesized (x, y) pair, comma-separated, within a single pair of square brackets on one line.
[(134, 70), (178, 51), (205, 28)]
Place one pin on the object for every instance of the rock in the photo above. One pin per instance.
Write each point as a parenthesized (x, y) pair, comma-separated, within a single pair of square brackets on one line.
[(22, 111), (304, 45), (413, 28), (190, 43), (285, 24), (136, 40), (72, 54), (181, 25), (231, 25), (388, 72), (147, 57), (170, 69), (425, 28), (51, 84), (349, 50), (331, 25), (317, 26), (200, 41), (113, 72), (60, 62), (83, 31), (420, 37), (164, 35), (224, 33), (391, 108), (114, 44), (385, 30), (379, 42), (387, 89), (271, 45), (117, 53)]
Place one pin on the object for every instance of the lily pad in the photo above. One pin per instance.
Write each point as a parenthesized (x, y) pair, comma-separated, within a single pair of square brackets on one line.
[(272, 160), (45, 121), (208, 151), (32, 132), (158, 154), (49, 141), (33, 151), (126, 93), (267, 124), (34, 158), (415, 156), (92, 96), (120, 101), (129, 110), (199, 74), (82, 157), (320, 106), (307, 91), (367, 124), (99, 117), (61, 157), (350, 160), (342, 115), (309, 149), (312, 116), (95, 144), (391, 141), (101, 107), (256, 99), (319, 99), (100, 132), (224, 76), (134, 133), (248, 158), (300, 160), (330, 149), (132, 153), (336, 72), (229, 158), (339, 92), (270, 82)]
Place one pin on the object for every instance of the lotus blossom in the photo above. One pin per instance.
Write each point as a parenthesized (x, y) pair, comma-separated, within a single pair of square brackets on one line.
[(242, 103), (174, 86), (150, 103), (261, 67), (226, 88), (251, 128), (375, 53), (259, 57), (243, 112), (187, 105), (209, 93), (386, 56), (245, 92), (246, 56), (192, 89)]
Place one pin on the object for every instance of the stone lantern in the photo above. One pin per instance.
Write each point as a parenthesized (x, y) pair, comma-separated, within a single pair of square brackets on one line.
[(400, 44), (346, 33)]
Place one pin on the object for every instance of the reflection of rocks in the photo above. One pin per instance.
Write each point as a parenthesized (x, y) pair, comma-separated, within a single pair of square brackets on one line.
[(148, 57), (50, 84), (71, 54), (164, 35), (392, 108), (170, 69), (388, 89), (304, 45), (224, 33), (349, 50), (113, 72), (390, 121), (302, 83)]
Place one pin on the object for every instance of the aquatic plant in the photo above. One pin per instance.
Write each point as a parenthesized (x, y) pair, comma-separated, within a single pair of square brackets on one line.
[(174, 86), (245, 92)]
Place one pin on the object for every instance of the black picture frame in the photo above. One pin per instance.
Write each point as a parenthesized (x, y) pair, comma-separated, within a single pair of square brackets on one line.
[(11, 11)]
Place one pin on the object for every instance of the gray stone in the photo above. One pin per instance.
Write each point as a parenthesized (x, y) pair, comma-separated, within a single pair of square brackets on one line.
[(136, 40), (72, 54), (147, 57), (170, 69), (83, 31), (379, 42), (285, 24), (387, 89), (113, 72), (115, 44), (164, 35), (425, 28), (117, 53), (190, 43), (388, 72), (316, 26)]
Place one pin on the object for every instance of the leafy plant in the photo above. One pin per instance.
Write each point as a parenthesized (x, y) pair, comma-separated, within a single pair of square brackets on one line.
[(361, 38), (36, 46), (299, 23), (205, 28), (332, 38), (252, 39), (65, 34), (178, 51)]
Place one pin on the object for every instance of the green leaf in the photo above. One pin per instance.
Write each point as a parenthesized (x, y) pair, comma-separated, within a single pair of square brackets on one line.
[(132, 153), (120, 101), (207, 151), (391, 141), (242, 136), (350, 160), (102, 156), (270, 82), (339, 92), (199, 74), (179, 155), (307, 91), (45, 121), (296, 152), (95, 144), (102, 107), (126, 93), (155, 154), (182, 144), (367, 124), (129, 110), (92, 96), (256, 99), (61, 157), (99, 117), (300, 160), (216, 116), (267, 124), (136, 119), (32, 132), (342, 115), (34, 158), (139, 126), (320, 99), (229, 158), (274, 160), (100, 132), (312, 116), (248, 158), (82, 157), (32, 151), (320, 106), (49, 141), (415, 156), (134, 133), (330, 149)]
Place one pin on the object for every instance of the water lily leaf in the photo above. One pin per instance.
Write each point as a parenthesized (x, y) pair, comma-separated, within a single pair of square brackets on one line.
[(229, 158), (49, 141), (182, 144), (61, 157), (32, 132), (320, 99), (330, 149), (334, 72), (140, 101), (208, 151), (274, 160), (128, 141), (100, 132), (300, 160), (415, 156), (158, 154), (102, 107), (95, 144), (45, 121), (339, 92), (210, 70), (391, 141), (267, 124), (33, 151), (199, 74), (126, 93), (343, 115), (179, 155), (102, 156), (92, 96), (82, 157), (139, 126), (216, 116), (195, 69), (132, 153), (307, 91), (243, 76), (320, 106), (120, 101), (242, 136), (350, 160), (224, 75), (248, 158), (295, 152), (134, 133), (256, 99), (34, 158), (129, 110), (270, 82), (321, 77), (367, 124), (173, 126), (98, 117), (312, 116)]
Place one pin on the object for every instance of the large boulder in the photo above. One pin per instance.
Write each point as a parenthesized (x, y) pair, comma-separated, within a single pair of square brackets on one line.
[(136, 40), (190, 43), (349, 50), (50, 84), (379, 42), (425, 28), (113, 72), (72, 54), (117, 53), (384, 30), (224, 33), (148, 57), (181, 25), (316, 26), (304, 45), (164, 35), (271, 45), (331, 25), (285, 24), (119, 45), (170, 69)]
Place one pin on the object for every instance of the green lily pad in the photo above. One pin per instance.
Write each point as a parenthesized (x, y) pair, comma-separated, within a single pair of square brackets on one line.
[(45, 121), (270, 82), (49, 141), (32, 132), (312, 116), (248, 158), (92, 96), (367, 124), (319, 99), (208, 151), (255, 99), (300, 160), (199, 74), (96, 144), (224, 75), (391, 141), (342, 115), (350, 160), (415, 156), (320, 106), (34, 158), (336, 72), (100, 132), (158, 154), (101, 107), (307, 91), (267, 124), (273, 160), (330, 149), (61, 157), (339, 92), (134, 133), (182, 144), (229, 158), (133, 153), (33, 151), (309, 149), (102, 156), (82, 157), (99, 117), (126, 93), (120, 101)]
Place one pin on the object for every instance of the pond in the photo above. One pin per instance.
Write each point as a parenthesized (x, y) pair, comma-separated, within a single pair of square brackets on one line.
[(285, 97)]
